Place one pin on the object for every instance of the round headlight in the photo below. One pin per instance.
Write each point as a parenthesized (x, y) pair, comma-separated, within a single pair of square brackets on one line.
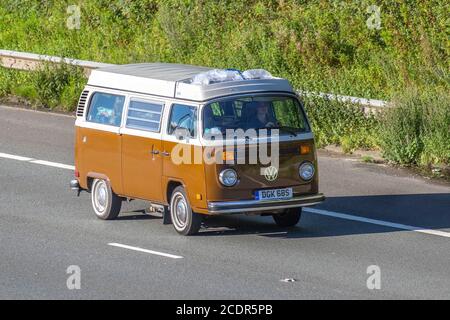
[(306, 171), (228, 177)]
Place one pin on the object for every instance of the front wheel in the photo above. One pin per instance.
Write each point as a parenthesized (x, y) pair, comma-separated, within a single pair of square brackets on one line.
[(185, 221), (105, 202), (288, 218)]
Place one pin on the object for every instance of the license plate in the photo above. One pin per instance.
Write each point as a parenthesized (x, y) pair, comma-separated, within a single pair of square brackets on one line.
[(274, 194)]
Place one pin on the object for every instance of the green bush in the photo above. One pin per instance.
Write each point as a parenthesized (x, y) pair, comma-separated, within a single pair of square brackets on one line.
[(53, 86), (342, 123), (59, 85), (417, 130)]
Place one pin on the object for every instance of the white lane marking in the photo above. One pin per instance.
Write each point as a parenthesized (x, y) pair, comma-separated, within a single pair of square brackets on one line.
[(124, 246), (272, 233), (14, 157), (53, 164), (377, 222), (36, 161)]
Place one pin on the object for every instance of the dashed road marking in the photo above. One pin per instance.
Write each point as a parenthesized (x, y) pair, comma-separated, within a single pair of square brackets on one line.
[(36, 161), (124, 246)]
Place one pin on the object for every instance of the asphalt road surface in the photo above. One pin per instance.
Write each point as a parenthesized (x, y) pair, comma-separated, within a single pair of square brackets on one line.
[(373, 216)]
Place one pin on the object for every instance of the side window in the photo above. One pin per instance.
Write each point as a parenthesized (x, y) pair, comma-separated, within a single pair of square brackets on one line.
[(144, 115), (183, 120), (106, 108)]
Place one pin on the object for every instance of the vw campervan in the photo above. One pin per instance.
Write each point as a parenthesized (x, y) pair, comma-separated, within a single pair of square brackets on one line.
[(194, 141)]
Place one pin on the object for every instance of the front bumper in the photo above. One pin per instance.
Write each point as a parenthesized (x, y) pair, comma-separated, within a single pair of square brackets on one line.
[(235, 207)]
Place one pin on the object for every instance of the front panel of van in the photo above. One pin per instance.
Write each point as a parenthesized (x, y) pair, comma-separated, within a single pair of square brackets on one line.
[(250, 178), (294, 149)]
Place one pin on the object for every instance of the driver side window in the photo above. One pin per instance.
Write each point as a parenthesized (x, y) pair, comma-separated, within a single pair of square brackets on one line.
[(183, 120)]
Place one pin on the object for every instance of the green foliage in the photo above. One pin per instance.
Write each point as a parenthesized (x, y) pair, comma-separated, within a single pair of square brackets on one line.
[(58, 85), (342, 123), (51, 87), (320, 46), (417, 130)]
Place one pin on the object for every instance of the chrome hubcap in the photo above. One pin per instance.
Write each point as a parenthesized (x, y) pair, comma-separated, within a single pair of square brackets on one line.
[(180, 209), (101, 196)]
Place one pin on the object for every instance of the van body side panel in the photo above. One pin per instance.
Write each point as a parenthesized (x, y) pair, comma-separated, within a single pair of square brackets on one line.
[(250, 178), (142, 165), (102, 155), (190, 173)]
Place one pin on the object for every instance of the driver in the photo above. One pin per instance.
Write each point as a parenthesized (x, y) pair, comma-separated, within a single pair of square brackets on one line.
[(262, 118)]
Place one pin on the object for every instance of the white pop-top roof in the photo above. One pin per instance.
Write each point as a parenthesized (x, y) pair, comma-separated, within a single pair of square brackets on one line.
[(185, 81)]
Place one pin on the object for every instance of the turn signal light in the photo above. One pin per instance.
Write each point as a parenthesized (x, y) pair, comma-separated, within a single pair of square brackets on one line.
[(305, 149), (228, 156)]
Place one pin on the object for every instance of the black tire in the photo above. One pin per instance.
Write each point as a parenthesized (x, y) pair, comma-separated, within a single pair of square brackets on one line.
[(289, 218), (105, 202), (185, 221)]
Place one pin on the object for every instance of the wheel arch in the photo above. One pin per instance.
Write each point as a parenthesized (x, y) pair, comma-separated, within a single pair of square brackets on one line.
[(91, 176), (170, 187)]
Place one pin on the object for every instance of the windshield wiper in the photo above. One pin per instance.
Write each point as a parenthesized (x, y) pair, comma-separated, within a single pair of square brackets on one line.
[(284, 128)]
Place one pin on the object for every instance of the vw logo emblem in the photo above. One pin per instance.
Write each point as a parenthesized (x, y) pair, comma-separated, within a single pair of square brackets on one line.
[(271, 173)]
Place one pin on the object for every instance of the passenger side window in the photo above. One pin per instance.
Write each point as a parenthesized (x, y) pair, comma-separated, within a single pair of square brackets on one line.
[(106, 109), (183, 120), (144, 115)]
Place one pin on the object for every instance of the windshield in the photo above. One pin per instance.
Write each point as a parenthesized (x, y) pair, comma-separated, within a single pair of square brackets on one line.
[(256, 112)]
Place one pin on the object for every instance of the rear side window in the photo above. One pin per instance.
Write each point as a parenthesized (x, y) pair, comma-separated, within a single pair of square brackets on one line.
[(183, 120), (144, 115), (106, 109)]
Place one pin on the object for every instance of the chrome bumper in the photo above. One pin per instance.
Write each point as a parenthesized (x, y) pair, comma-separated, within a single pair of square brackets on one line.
[(230, 207), (74, 185)]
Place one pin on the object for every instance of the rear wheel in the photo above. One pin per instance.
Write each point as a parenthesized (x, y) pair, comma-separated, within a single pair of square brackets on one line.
[(105, 202), (288, 218), (185, 221)]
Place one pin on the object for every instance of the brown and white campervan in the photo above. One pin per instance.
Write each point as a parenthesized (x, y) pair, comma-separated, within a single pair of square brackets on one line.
[(194, 141)]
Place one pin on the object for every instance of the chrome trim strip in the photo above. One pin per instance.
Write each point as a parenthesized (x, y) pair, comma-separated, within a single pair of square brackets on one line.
[(229, 207)]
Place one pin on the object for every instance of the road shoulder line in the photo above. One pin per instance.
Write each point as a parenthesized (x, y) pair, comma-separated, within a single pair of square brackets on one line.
[(377, 222)]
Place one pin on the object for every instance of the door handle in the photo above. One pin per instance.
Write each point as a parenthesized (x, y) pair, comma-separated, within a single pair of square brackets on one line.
[(165, 153), (154, 152)]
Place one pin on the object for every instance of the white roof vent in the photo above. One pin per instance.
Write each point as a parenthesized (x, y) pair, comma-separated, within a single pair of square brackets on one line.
[(224, 75)]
